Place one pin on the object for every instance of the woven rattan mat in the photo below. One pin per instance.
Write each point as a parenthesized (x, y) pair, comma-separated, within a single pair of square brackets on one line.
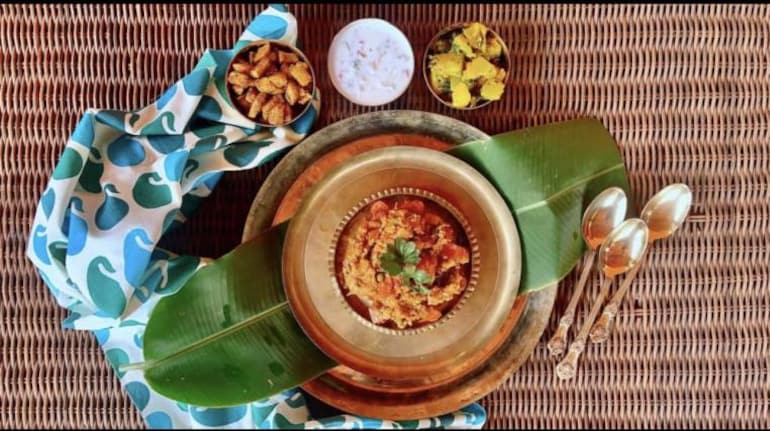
[(684, 89)]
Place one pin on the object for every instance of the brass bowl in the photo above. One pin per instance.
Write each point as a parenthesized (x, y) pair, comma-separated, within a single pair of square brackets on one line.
[(294, 178), (426, 61), (430, 355), (230, 96)]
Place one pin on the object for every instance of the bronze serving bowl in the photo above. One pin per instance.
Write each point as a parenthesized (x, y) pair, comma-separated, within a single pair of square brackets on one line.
[(430, 355), (294, 179)]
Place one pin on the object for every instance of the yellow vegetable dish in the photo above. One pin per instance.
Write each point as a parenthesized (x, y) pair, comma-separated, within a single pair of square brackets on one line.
[(467, 66)]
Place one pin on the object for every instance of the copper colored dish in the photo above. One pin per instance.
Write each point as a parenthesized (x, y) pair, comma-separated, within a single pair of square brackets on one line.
[(344, 387), (439, 352)]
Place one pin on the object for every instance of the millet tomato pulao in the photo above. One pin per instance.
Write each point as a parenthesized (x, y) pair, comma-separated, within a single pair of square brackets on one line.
[(418, 241)]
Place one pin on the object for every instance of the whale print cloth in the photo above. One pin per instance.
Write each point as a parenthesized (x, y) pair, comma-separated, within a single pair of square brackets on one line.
[(125, 179)]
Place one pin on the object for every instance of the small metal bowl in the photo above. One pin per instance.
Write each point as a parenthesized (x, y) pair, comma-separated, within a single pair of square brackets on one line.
[(252, 46), (426, 61)]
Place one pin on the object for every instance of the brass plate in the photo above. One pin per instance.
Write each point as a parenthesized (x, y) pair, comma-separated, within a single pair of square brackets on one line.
[(280, 197), (430, 355)]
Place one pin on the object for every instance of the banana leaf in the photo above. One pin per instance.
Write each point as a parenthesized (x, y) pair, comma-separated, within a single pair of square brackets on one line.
[(548, 175), (228, 336)]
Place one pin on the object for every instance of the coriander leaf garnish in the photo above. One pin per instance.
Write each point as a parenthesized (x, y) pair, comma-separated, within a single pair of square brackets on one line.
[(415, 279), (408, 250), (421, 277), (390, 262), (400, 259)]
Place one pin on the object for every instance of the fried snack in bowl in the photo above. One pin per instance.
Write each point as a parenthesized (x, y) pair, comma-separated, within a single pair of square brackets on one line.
[(270, 83), (466, 66)]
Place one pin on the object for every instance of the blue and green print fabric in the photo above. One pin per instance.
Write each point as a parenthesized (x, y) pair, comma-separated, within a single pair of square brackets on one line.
[(123, 181)]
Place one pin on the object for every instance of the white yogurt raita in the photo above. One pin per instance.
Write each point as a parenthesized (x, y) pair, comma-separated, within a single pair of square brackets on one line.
[(371, 62)]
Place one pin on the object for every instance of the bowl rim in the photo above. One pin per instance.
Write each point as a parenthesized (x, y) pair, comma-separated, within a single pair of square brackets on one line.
[(259, 42), (452, 27), (360, 21)]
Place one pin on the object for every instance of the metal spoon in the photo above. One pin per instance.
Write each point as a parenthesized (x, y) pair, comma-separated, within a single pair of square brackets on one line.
[(664, 213), (603, 214), (622, 250)]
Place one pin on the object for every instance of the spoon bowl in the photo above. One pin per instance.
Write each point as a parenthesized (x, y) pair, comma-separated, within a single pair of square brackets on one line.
[(624, 248), (603, 215), (667, 210)]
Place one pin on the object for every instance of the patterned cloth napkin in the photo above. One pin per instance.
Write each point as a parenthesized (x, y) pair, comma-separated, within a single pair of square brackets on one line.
[(123, 181)]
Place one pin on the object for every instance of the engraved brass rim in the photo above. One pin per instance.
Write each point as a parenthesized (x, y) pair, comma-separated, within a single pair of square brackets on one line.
[(444, 352)]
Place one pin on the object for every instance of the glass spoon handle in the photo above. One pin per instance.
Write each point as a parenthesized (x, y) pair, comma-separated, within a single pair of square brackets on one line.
[(559, 340), (567, 367)]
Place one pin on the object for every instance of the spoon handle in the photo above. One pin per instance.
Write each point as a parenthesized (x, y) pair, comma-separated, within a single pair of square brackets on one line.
[(559, 340), (601, 330), (567, 367)]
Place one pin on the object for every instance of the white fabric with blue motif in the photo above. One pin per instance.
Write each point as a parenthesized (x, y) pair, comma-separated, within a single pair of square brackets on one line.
[(125, 179)]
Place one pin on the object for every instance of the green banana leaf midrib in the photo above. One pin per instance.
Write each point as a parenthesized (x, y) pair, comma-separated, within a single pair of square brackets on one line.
[(218, 335), (563, 191)]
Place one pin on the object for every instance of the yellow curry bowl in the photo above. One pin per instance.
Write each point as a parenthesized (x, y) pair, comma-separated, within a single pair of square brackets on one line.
[(463, 44)]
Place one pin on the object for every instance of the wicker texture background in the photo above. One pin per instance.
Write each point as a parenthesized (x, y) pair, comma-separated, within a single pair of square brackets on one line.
[(684, 89)]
